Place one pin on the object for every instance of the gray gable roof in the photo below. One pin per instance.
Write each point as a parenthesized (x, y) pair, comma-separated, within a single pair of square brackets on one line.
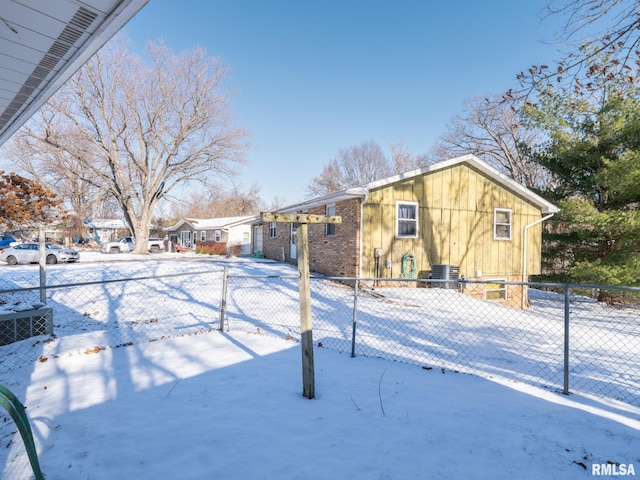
[(222, 223)]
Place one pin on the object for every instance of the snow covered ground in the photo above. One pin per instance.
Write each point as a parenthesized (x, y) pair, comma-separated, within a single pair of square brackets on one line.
[(228, 405)]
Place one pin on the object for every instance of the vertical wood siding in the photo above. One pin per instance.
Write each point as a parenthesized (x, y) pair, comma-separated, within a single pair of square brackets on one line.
[(455, 225)]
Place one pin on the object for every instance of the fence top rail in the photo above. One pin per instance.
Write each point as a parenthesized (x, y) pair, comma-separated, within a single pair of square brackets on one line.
[(102, 282), (440, 280), (337, 279), (236, 275)]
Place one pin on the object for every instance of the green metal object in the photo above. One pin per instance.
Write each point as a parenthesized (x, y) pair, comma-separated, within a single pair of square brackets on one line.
[(12, 405)]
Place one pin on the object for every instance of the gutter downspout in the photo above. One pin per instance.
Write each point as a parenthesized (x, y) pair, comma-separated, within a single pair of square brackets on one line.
[(362, 202), (222, 232), (524, 251)]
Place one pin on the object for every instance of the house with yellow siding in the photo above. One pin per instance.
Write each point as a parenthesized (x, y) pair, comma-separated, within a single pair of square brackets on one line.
[(456, 219)]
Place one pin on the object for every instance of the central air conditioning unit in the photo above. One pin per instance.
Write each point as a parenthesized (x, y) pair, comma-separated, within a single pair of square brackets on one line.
[(445, 272)]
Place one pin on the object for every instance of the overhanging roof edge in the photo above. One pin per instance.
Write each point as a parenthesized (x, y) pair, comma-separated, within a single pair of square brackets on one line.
[(125, 10)]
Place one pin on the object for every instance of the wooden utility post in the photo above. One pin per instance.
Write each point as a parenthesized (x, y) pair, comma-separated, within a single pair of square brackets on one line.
[(306, 327)]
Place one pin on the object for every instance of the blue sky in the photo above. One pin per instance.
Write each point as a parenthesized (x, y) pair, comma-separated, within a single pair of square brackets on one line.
[(313, 77)]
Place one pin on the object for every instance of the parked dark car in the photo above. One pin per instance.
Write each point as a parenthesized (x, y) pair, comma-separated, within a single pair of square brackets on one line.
[(30, 253)]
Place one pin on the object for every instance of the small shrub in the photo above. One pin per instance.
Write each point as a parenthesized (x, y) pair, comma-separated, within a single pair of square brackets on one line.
[(234, 250), (211, 248)]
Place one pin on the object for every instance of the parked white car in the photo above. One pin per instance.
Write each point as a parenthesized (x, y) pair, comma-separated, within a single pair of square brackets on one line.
[(127, 244), (30, 253)]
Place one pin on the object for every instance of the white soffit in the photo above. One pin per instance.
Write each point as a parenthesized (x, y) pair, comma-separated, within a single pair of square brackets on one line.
[(43, 43)]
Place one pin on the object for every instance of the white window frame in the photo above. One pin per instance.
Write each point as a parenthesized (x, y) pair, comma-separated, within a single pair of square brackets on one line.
[(330, 229), (272, 230), (203, 236), (185, 238), (501, 289), (497, 225), (415, 220), (217, 235)]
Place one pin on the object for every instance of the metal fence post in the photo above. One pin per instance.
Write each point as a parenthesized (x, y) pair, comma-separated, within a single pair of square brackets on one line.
[(223, 299), (355, 317), (42, 265), (566, 340)]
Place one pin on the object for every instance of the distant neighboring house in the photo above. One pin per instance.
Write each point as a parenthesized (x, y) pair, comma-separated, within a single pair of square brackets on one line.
[(454, 219), (225, 231), (57, 232), (106, 229)]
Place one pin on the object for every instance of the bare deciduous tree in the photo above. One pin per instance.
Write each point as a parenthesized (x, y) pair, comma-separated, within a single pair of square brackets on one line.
[(616, 24), (492, 130), (220, 203), (276, 202), (355, 165), (60, 173), (138, 130), (403, 160)]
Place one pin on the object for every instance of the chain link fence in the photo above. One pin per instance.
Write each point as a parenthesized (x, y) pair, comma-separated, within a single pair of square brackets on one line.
[(565, 341), (97, 310)]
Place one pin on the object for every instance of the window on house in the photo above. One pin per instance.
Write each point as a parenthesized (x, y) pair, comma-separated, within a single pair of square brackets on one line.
[(217, 235), (407, 219), (203, 236), (497, 290), (331, 227), (185, 238), (502, 224), (272, 230)]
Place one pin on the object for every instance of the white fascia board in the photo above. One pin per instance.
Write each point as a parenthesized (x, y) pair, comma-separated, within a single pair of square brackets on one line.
[(362, 191), (357, 192), (545, 206)]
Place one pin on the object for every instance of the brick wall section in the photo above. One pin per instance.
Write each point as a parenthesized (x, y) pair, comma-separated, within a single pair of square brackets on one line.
[(272, 248), (336, 255)]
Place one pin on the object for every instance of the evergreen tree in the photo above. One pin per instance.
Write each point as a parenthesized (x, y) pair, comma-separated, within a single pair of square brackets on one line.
[(593, 151)]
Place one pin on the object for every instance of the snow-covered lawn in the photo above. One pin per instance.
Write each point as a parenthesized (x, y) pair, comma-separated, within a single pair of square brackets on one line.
[(205, 404)]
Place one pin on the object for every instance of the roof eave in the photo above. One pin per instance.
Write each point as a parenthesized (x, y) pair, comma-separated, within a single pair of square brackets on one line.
[(340, 196), (362, 191), (109, 27), (545, 206)]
